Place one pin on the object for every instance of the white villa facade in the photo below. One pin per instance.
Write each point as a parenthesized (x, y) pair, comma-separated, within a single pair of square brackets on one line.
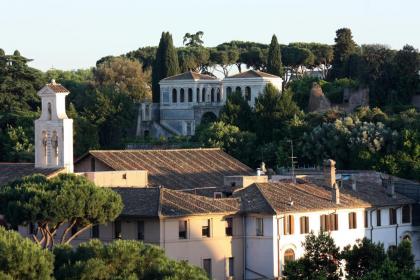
[(188, 98)]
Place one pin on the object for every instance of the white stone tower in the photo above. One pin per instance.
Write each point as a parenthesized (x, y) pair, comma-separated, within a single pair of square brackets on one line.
[(54, 130)]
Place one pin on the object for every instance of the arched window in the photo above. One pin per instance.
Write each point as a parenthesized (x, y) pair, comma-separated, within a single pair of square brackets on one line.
[(228, 91), (212, 95), (238, 89), (49, 111), (289, 256), (174, 96), (203, 95), (182, 95), (218, 97), (198, 95), (248, 94), (190, 95)]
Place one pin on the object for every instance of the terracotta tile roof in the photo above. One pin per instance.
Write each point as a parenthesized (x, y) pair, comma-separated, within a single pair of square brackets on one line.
[(252, 74), (13, 171), (154, 202), (276, 197), (58, 88), (190, 76), (176, 168)]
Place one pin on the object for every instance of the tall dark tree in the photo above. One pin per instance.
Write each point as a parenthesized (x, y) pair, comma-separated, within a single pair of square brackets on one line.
[(165, 65), (274, 64), (237, 112), (344, 47)]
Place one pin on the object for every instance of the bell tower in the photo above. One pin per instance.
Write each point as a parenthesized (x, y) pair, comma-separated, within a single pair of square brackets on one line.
[(54, 130)]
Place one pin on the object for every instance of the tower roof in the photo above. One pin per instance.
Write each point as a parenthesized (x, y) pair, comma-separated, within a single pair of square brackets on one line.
[(190, 75), (57, 88), (252, 74)]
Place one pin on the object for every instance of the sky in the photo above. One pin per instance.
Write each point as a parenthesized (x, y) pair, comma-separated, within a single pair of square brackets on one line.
[(74, 34)]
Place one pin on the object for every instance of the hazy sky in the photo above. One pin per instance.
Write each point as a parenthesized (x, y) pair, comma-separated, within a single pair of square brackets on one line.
[(74, 33)]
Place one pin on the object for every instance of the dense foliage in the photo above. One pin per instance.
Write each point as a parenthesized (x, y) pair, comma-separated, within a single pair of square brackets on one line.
[(68, 201)]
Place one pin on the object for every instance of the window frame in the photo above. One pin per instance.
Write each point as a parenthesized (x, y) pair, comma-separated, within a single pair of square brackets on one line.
[(208, 268), (304, 224), (259, 226), (184, 233), (403, 216), (140, 230), (229, 226), (205, 229), (352, 220), (378, 218), (392, 216), (288, 225)]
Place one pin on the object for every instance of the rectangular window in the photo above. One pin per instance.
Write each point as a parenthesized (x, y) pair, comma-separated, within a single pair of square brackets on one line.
[(95, 231), (140, 230), (230, 267), (378, 217), (406, 214), (217, 195), (207, 267), (165, 96), (366, 218), (329, 222), (352, 220), (205, 228), (229, 227), (304, 224), (182, 230), (288, 224), (117, 230), (260, 226), (392, 216)]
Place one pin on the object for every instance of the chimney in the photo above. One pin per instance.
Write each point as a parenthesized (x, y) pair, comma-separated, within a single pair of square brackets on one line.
[(390, 187), (329, 173), (353, 183), (335, 194)]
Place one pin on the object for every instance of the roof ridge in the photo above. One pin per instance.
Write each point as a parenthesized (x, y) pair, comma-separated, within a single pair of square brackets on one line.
[(159, 150)]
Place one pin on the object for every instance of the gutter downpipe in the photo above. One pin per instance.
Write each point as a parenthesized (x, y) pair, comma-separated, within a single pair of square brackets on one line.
[(244, 245), (279, 270)]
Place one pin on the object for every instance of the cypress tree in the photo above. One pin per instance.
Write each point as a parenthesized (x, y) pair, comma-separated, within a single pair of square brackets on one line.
[(165, 64), (274, 64), (344, 47)]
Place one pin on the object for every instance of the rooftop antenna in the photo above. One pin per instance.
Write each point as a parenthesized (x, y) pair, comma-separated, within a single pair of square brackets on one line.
[(293, 162)]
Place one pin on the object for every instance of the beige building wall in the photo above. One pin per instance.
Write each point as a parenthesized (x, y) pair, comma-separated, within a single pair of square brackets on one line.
[(87, 164)]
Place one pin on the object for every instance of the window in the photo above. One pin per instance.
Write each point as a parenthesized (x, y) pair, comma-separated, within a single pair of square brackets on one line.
[(218, 96), (238, 89), (406, 214), (304, 224), (378, 217), (352, 220), (198, 95), (207, 267), (212, 95), (203, 95), (248, 94), (288, 224), (182, 95), (289, 255), (182, 230), (140, 230), (229, 227), (117, 230), (188, 128), (217, 195), (366, 218), (190, 95), (392, 216), (205, 228), (230, 267), (95, 231), (165, 96), (32, 229), (228, 91), (329, 222), (260, 226), (174, 96)]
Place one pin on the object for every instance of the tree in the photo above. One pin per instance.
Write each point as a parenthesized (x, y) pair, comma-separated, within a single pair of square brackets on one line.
[(146, 56), (20, 258), (344, 47), (320, 261), (193, 40), (193, 59), (121, 259), (224, 57), (237, 112), (68, 201), (126, 76), (165, 64), (404, 259), (294, 58), (274, 64)]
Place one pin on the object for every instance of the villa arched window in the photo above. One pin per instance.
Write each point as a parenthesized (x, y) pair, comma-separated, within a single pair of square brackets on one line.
[(190, 95), (182, 95), (49, 111), (228, 91), (174, 96), (218, 96), (198, 95), (203, 95), (289, 256), (212, 95), (238, 89), (248, 94)]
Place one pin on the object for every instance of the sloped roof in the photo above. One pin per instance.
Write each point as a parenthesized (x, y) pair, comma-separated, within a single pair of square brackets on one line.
[(252, 74), (57, 88), (176, 168), (12, 171), (190, 76), (276, 197), (154, 202)]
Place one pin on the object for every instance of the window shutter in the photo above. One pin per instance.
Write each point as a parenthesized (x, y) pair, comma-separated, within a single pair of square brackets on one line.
[(292, 224), (322, 222), (335, 222), (306, 224), (285, 225)]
